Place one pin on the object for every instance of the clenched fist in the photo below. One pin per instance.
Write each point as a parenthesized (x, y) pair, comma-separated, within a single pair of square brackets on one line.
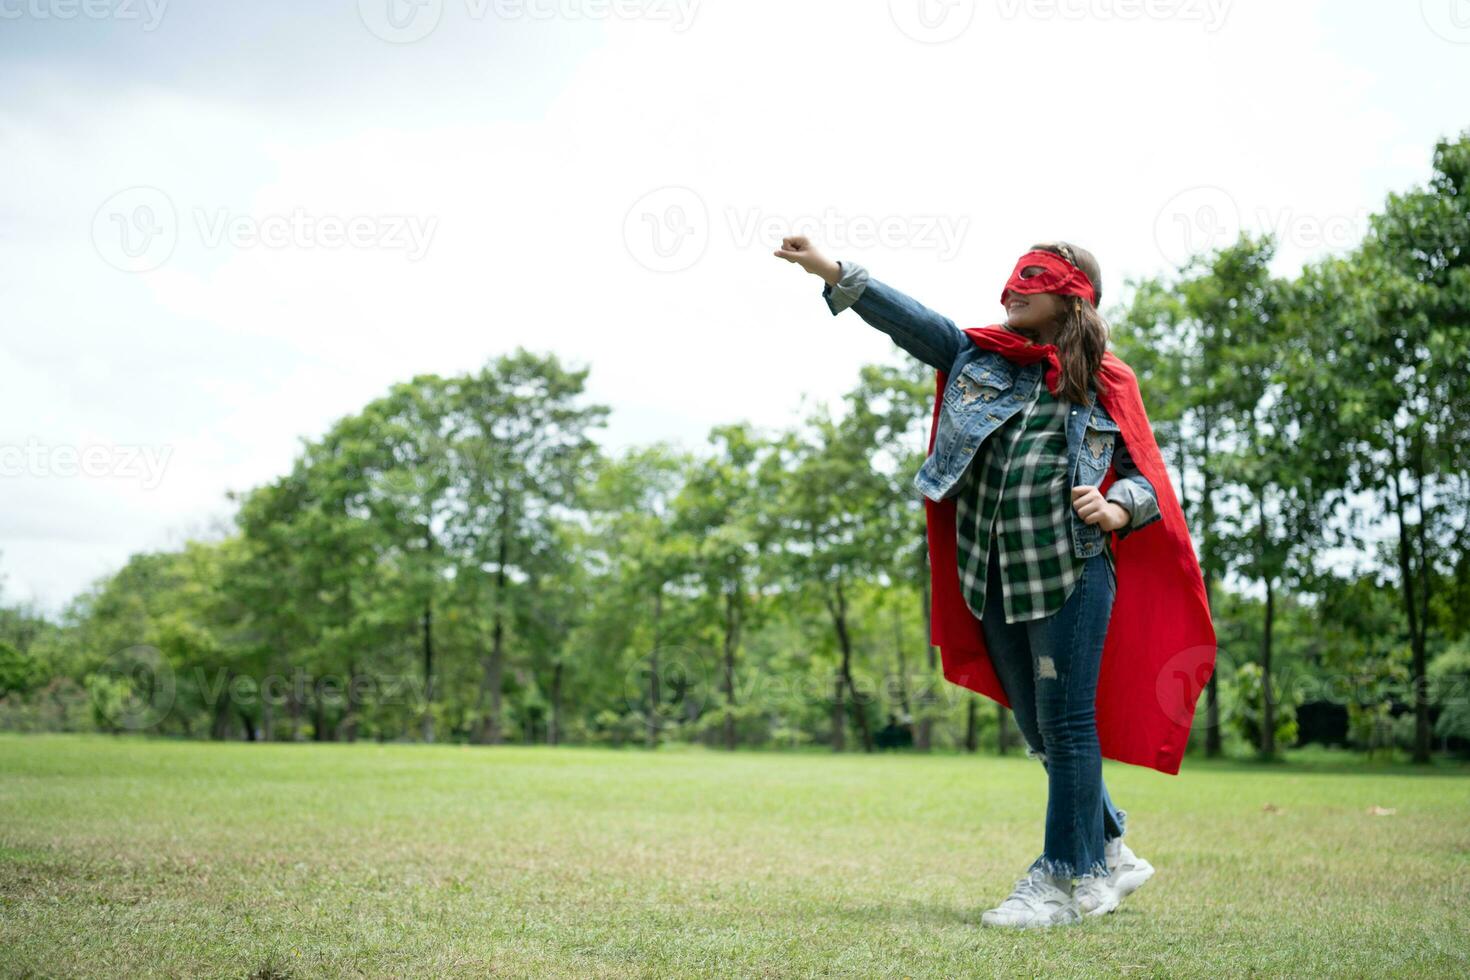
[(799, 249), (1094, 508)]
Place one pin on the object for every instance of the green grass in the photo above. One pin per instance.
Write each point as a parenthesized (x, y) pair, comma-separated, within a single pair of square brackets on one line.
[(131, 857)]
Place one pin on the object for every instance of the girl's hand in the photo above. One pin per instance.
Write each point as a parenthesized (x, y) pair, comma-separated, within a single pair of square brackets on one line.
[(1093, 508), (799, 249)]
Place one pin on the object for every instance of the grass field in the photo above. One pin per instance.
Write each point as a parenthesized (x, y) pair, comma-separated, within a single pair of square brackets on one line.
[(128, 857)]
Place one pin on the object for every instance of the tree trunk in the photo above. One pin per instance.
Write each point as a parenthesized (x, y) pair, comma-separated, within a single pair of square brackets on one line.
[(319, 729), (1406, 579), (267, 715), (494, 665), (221, 727), (1268, 700), (844, 639), (427, 723), (553, 723), (295, 707), (1268, 704), (839, 719), (347, 727), (654, 695), (1419, 637), (1214, 741), (732, 640), (924, 731), (903, 672), (247, 723)]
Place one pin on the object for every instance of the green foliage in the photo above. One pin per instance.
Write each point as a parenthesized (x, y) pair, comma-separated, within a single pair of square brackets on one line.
[(1249, 717), (1449, 676), (20, 672), (460, 560)]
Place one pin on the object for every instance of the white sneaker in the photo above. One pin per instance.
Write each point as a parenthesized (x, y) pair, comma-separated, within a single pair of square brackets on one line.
[(1036, 902), (1127, 871)]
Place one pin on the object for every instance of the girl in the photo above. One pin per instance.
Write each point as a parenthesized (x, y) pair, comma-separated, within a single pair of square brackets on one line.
[(1018, 450)]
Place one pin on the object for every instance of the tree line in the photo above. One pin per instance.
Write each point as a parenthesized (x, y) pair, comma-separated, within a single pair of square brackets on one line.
[(462, 560)]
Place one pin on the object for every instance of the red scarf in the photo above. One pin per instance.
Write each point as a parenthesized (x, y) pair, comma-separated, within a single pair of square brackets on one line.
[(1160, 647)]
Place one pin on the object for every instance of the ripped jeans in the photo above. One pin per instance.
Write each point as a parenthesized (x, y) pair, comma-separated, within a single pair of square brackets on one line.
[(1049, 670)]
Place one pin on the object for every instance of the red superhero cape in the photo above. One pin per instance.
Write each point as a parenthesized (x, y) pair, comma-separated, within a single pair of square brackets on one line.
[(1160, 648)]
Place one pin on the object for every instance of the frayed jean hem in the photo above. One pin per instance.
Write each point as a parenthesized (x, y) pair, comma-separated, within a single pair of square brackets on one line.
[(1067, 870)]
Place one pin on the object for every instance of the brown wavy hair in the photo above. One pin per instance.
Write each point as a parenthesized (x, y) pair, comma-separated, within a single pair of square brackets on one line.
[(1082, 333)]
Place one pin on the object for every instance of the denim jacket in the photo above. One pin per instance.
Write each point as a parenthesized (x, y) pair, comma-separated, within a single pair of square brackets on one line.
[(985, 389)]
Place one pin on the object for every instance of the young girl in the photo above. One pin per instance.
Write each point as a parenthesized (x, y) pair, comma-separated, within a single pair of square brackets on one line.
[(1030, 554)]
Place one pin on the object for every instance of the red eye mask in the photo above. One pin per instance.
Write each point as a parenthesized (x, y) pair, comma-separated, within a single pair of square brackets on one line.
[(1057, 276)]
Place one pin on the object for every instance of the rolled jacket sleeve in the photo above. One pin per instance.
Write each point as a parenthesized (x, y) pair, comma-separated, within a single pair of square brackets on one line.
[(1133, 491), (927, 335), (846, 290)]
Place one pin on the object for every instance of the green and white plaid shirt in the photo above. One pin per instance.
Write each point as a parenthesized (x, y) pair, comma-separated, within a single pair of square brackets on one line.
[(1018, 489)]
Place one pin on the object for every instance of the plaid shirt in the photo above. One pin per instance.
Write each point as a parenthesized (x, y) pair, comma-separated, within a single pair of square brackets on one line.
[(1019, 490)]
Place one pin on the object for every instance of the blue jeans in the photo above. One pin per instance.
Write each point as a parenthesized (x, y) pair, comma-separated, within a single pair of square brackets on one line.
[(1049, 669)]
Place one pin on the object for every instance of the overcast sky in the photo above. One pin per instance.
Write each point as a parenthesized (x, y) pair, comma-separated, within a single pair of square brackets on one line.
[(223, 227)]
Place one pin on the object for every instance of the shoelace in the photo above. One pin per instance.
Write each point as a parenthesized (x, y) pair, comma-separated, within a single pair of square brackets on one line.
[(1031, 887)]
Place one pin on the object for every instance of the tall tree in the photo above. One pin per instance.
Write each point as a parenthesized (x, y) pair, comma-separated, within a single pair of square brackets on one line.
[(522, 445), (1403, 332)]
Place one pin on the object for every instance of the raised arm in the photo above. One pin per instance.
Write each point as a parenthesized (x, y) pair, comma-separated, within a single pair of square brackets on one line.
[(932, 338)]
